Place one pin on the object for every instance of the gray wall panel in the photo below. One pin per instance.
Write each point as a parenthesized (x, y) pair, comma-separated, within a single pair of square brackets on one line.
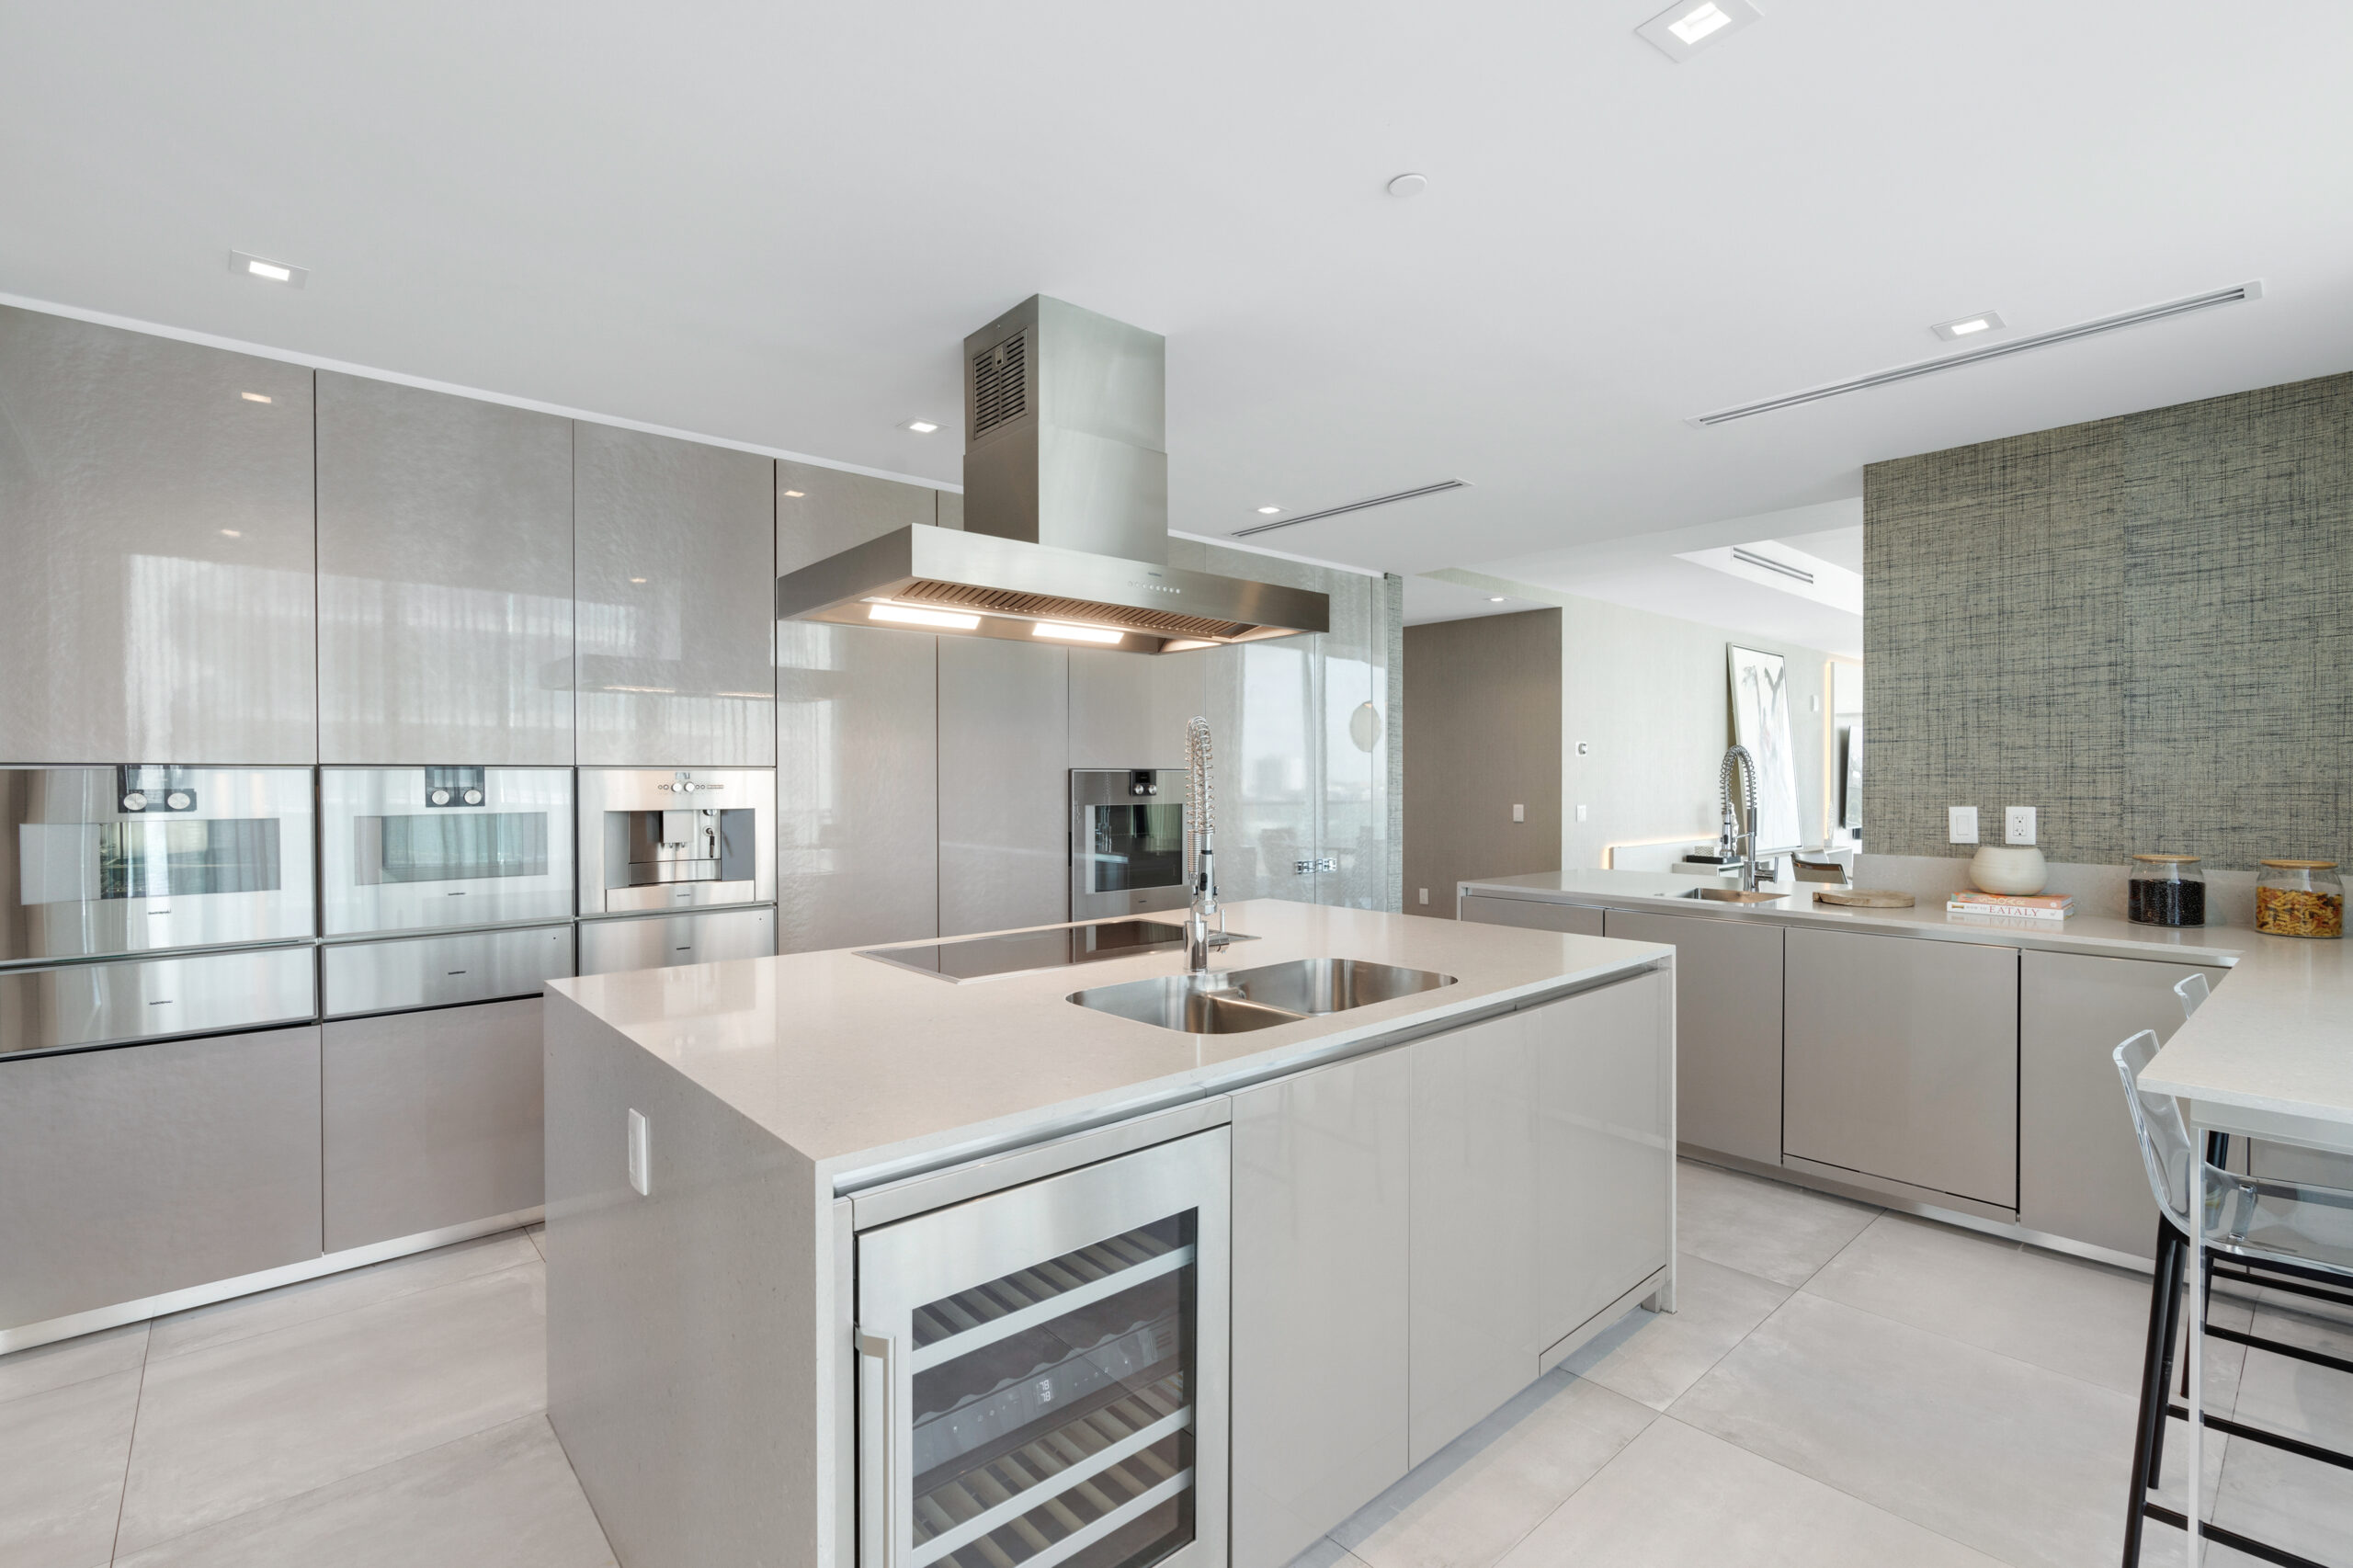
[(1483, 717), (445, 578), (675, 617), (1004, 785), (155, 521)]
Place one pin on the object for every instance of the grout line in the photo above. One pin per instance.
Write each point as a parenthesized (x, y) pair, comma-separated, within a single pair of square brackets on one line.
[(122, 1497)]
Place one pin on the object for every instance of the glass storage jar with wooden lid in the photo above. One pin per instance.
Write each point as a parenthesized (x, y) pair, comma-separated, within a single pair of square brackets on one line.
[(2165, 890), (2299, 898)]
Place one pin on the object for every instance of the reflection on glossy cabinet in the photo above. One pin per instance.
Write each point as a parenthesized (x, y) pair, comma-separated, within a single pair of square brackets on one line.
[(1004, 785), (431, 1119), (1727, 1028), (1320, 1170), (1473, 1231), (1605, 1146), (821, 511), (155, 521), (128, 1173), (675, 601), (445, 578)]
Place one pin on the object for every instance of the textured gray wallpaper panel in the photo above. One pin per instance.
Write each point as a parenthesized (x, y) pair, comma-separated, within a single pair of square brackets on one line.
[(2143, 627)]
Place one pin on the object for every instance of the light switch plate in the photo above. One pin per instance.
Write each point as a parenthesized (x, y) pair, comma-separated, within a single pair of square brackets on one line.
[(1962, 821), (1426, 895), (2017, 824), (1519, 814), (641, 1174), (1580, 812)]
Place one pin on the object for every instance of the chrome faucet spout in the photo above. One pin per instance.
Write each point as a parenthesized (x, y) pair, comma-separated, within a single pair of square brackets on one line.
[(1739, 830), (1200, 813)]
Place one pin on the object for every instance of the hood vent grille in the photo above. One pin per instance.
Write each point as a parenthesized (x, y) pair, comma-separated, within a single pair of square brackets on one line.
[(1047, 607), (1001, 384)]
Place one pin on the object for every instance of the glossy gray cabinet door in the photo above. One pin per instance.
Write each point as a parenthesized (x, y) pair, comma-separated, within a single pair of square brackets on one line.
[(2079, 1164), (1321, 1179), (1528, 912), (1004, 785), (665, 941), (857, 786), (1605, 1146), (1475, 1336), (821, 511), (430, 1119), (125, 1173), (445, 579), (1129, 710), (1727, 1028), (156, 525), (674, 611), (1902, 1060)]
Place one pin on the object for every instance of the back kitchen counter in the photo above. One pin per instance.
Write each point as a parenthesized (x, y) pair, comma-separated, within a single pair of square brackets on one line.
[(786, 1197)]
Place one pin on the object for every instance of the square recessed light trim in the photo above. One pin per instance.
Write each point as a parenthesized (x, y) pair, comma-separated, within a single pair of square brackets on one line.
[(264, 270), (1977, 325), (920, 426), (1683, 29)]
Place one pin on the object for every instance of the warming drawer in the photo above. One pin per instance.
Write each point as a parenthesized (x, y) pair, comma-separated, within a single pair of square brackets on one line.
[(111, 1004), (438, 971)]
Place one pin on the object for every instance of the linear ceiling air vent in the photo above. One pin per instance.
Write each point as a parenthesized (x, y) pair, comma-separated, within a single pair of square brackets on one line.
[(2233, 296), (1001, 384), (1768, 564), (1352, 506)]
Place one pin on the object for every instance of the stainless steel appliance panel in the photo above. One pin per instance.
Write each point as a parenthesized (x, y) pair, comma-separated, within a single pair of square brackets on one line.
[(676, 839), (431, 1119), (418, 848), (95, 861), (675, 627), (126, 1173), (1127, 840), (665, 941), (445, 578), (857, 786), (141, 999), (1003, 837), (155, 518), (435, 971)]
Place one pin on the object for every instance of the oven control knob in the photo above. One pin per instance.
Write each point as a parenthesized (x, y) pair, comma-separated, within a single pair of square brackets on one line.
[(439, 796), (177, 800), (135, 801), (474, 796)]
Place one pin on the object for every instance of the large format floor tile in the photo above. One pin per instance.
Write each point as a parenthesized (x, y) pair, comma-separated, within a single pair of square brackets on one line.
[(46, 1367), (1655, 1357), (62, 1455), (1765, 1228), (1679, 1498), (1473, 1500), (2023, 1463), (271, 1415), (504, 1496)]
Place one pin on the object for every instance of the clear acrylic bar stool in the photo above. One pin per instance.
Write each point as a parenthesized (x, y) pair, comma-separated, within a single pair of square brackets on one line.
[(2286, 1236)]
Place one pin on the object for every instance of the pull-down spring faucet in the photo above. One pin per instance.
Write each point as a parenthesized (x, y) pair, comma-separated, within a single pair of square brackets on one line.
[(1201, 861), (1740, 829)]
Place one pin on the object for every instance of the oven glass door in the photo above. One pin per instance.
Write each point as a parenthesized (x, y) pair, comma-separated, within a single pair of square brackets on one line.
[(424, 848), (1129, 847), (1042, 1371)]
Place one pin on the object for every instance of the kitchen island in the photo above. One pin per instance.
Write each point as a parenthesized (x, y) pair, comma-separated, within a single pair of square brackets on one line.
[(784, 1194)]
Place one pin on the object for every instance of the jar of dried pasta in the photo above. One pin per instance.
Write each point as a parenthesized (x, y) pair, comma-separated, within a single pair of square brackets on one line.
[(2299, 898)]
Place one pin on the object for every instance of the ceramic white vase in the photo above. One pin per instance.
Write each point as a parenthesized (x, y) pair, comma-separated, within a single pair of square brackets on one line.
[(2010, 868)]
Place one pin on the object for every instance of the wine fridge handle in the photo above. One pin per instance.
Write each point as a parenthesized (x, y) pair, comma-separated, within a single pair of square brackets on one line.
[(877, 1443)]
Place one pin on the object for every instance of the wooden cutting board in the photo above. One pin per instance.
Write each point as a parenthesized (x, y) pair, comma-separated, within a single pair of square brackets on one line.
[(1865, 898)]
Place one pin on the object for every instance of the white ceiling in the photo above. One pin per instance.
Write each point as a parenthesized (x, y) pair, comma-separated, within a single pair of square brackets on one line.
[(774, 224)]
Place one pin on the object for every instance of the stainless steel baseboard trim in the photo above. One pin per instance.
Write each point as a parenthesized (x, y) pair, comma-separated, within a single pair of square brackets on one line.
[(1599, 1323), (97, 1318)]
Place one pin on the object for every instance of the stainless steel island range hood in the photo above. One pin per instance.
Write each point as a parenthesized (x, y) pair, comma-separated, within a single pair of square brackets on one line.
[(1065, 535)]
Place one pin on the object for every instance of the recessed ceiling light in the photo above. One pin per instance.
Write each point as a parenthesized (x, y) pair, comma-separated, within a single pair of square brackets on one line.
[(796, 494), (257, 397), (920, 426), (230, 533), (637, 579), (1969, 326), (906, 615), (1682, 29), (268, 271), (1495, 598), (1268, 511), (1409, 185), (1078, 633)]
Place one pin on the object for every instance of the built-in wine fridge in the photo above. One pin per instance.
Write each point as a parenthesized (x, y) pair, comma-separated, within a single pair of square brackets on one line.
[(1042, 1371)]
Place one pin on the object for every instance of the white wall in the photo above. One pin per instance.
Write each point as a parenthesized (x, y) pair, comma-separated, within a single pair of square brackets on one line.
[(1648, 695)]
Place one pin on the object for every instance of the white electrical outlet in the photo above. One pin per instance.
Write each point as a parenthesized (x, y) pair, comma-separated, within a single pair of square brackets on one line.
[(1962, 825), (2017, 824), (1580, 812), (1519, 814), (641, 1158), (1426, 895)]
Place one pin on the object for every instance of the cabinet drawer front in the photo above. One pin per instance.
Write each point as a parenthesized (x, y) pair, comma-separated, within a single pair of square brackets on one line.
[(436, 971), (110, 1003), (665, 941)]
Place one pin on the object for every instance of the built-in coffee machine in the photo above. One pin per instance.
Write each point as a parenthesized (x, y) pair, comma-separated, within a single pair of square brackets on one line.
[(678, 866)]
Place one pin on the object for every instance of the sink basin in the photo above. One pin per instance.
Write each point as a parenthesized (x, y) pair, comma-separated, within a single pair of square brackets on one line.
[(1730, 896), (1234, 1001)]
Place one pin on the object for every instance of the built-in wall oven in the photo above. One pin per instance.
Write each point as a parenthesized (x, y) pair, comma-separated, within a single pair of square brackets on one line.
[(1127, 840), (1042, 1371), (678, 866), (183, 876)]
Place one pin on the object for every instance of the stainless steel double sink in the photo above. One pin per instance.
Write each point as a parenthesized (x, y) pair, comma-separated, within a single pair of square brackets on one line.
[(1233, 1001)]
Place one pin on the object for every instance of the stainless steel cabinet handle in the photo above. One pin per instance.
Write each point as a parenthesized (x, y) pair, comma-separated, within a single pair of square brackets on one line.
[(878, 1441)]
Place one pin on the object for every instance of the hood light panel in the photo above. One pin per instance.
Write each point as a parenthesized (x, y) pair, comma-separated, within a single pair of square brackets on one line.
[(907, 615), (1078, 633)]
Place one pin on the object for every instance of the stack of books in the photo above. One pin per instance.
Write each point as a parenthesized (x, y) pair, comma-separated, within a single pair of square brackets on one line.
[(2051, 906)]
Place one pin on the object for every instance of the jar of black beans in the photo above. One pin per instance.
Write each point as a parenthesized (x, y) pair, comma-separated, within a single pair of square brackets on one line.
[(2165, 890)]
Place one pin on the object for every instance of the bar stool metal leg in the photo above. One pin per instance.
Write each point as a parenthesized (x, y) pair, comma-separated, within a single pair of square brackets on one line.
[(2156, 1383)]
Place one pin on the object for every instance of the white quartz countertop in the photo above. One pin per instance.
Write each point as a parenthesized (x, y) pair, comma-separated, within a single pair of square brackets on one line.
[(2276, 1036), (865, 1068)]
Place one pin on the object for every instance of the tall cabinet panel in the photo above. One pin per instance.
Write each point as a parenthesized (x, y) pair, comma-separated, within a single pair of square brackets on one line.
[(821, 511), (675, 544), (1129, 710), (1004, 785), (445, 579), (155, 520)]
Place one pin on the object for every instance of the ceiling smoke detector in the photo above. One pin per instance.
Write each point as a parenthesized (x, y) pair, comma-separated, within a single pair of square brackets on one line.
[(1682, 31)]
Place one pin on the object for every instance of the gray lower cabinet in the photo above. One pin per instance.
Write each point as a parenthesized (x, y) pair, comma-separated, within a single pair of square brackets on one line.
[(1537, 914), (1320, 1306), (667, 941), (1473, 1309), (431, 1119), (130, 1173), (2079, 1164), (1727, 1028), (1902, 1060)]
